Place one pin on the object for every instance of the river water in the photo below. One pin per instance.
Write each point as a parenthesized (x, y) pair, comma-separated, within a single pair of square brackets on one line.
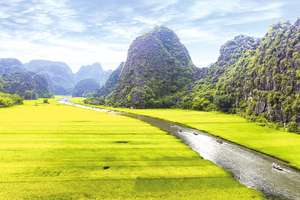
[(249, 168)]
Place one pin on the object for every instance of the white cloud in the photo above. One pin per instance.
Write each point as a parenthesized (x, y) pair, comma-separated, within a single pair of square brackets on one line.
[(72, 25), (196, 35)]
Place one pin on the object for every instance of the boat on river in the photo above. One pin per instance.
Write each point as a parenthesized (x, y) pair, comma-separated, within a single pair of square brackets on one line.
[(220, 141), (195, 133), (275, 166)]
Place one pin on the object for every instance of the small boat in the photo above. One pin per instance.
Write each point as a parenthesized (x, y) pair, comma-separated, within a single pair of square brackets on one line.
[(180, 130), (171, 124), (195, 133), (220, 141), (277, 167)]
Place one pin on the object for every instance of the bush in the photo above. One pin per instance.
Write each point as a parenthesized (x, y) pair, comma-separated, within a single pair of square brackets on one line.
[(45, 101), (292, 127)]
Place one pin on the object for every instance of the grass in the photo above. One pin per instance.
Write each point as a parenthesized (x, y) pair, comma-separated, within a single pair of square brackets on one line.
[(54, 151), (279, 144)]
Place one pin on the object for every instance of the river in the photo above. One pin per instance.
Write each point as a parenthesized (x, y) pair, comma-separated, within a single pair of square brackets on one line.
[(249, 168)]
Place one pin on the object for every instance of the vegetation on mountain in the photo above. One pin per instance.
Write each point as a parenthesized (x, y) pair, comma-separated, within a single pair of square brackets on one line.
[(84, 87), (98, 97), (258, 77), (28, 85), (157, 65)]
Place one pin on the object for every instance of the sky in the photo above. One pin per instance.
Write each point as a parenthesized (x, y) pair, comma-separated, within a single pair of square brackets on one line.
[(80, 32)]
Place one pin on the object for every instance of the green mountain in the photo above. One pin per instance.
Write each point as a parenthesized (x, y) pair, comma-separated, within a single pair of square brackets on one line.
[(157, 65), (258, 77), (85, 86)]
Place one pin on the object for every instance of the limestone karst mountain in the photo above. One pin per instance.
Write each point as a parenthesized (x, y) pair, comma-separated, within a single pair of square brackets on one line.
[(157, 65)]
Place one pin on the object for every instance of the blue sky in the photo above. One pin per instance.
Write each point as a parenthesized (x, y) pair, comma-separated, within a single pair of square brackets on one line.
[(81, 32)]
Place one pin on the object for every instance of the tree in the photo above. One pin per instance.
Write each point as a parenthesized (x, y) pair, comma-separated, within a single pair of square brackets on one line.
[(28, 94), (222, 103)]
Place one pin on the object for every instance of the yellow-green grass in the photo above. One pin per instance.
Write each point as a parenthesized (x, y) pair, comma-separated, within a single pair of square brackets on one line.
[(54, 151), (279, 144)]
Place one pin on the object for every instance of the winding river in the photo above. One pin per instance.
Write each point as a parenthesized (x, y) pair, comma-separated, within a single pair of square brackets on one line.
[(249, 168)]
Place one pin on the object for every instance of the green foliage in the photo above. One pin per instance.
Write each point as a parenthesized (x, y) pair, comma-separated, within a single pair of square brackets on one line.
[(222, 103), (292, 127), (29, 95), (45, 101), (94, 101), (1, 87), (8, 100), (257, 76)]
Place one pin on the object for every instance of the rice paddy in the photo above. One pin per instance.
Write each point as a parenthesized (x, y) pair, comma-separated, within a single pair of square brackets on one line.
[(279, 144), (54, 151)]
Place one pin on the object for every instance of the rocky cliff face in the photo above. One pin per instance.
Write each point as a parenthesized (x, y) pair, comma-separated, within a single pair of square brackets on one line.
[(93, 71), (157, 64)]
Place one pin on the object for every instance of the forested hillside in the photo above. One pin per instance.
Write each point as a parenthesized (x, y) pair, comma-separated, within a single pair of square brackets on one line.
[(258, 77)]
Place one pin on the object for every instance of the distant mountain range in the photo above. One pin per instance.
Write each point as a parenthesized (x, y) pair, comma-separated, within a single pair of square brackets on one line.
[(61, 78)]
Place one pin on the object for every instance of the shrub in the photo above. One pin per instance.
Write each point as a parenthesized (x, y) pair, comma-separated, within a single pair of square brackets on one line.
[(292, 127), (45, 101)]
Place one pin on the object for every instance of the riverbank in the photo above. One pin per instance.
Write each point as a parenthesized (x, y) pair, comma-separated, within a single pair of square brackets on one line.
[(282, 145), (54, 151)]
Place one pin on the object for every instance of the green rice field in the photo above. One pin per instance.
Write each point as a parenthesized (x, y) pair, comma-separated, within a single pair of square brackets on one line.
[(279, 144), (54, 151)]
